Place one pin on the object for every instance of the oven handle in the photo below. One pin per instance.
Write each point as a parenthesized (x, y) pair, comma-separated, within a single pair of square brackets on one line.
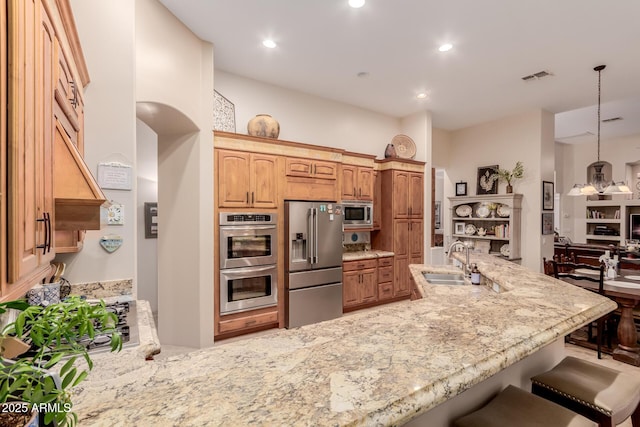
[(234, 272), (248, 227)]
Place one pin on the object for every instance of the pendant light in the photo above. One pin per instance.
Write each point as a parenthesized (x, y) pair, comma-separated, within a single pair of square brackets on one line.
[(598, 185)]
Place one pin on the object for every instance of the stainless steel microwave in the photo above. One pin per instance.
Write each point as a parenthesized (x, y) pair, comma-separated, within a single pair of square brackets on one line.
[(357, 214)]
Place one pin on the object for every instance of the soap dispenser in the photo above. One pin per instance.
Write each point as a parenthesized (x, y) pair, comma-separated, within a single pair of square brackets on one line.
[(475, 275)]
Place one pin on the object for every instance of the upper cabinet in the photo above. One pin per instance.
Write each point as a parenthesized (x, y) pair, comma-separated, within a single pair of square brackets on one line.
[(311, 168), (42, 53), (246, 179), (408, 188), (357, 177)]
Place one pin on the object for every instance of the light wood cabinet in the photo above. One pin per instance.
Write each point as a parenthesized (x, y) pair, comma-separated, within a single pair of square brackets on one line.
[(30, 204), (246, 322), (359, 282), (42, 54), (377, 200), (311, 168), (401, 218), (385, 278), (357, 182), (246, 180), (408, 189)]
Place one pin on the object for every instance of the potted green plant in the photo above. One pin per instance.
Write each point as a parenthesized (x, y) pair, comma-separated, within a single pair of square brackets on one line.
[(40, 379), (510, 175)]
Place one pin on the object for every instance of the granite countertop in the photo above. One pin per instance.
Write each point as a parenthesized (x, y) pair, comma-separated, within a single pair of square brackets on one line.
[(377, 367), (358, 255)]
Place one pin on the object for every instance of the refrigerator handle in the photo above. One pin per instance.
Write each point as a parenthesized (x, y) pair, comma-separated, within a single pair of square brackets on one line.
[(315, 234), (311, 237)]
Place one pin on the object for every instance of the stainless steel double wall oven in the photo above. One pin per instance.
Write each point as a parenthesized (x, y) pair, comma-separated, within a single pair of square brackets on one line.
[(248, 261)]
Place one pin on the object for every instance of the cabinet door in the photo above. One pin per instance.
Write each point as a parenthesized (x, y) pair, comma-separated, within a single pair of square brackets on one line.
[(350, 288), (377, 200), (416, 240), (325, 170), (30, 134), (400, 194), (264, 177), (416, 195), (233, 179), (298, 167), (349, 182), (401, 285), (369, 285), (401, 237), (365, 183)]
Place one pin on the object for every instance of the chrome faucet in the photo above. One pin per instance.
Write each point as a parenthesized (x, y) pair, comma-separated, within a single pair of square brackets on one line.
[(465, 246)]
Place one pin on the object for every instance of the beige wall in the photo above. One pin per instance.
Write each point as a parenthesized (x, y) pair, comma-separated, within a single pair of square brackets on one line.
[(527, 137), (309, 119), (110, 130), (174, 74)]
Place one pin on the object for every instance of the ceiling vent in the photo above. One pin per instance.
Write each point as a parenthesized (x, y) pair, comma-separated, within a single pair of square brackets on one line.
[(612, 119), (536, 76)]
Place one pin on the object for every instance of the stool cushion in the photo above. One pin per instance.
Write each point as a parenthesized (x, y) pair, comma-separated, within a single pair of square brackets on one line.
[(606, 390), (516, 407)]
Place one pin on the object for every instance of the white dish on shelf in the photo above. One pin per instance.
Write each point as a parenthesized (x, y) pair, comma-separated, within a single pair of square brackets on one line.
[(470, 229), (464, 211), (504, 250), (632, 277), (503, 211), (483, 211)]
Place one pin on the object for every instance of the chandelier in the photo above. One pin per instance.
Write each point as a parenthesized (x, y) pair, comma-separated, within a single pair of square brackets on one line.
[(598, 185)]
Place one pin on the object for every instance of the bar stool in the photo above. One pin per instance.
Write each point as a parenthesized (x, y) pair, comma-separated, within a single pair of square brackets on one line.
[(601, 394), (518, 408)]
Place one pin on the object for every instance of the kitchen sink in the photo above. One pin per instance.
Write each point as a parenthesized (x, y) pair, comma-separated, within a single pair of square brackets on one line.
[(444, 279)]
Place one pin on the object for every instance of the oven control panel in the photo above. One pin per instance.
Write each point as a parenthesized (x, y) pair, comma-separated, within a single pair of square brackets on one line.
[(239, 218)]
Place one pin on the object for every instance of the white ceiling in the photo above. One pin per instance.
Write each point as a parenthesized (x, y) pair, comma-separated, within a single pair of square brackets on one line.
[(324, 44)]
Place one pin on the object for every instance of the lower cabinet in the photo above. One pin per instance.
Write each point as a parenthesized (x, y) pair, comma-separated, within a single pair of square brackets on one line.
[(245, 322), (367, 281), (359, 282)]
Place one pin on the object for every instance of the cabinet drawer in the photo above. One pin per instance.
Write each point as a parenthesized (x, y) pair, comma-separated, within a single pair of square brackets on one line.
[(385, 274), (359, 265), (385, 291), (248, 322), (385, 262)]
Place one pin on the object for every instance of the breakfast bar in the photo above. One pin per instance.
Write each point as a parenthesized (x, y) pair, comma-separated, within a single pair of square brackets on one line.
[(385, 366)]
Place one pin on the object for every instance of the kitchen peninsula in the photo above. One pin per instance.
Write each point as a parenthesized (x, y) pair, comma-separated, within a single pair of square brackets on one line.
[(384, 366)]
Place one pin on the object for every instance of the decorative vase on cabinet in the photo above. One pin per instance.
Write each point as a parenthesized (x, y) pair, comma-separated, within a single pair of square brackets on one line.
[(264, 125)]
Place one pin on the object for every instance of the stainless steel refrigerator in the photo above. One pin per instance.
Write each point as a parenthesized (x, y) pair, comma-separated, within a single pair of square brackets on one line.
[(313, 279)]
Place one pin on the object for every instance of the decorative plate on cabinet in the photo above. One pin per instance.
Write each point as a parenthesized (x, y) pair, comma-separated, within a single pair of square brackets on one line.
[(504, 250), (503, 211), (470, 229), (405, 147), (483, 211), (464, 211)]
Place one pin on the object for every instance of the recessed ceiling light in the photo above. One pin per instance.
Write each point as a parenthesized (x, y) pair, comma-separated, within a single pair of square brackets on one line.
[(445, 47), (269, 43), (356, 3), (421, 95)]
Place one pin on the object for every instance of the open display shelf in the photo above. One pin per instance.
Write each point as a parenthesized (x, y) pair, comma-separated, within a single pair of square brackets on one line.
[(497, 215)]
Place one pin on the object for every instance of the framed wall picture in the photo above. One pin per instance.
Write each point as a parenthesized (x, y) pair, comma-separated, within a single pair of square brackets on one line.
[(461, 188), (547, 223), (487, 180), (547, 195), (150, 220), (459, 228), (224, 113)]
